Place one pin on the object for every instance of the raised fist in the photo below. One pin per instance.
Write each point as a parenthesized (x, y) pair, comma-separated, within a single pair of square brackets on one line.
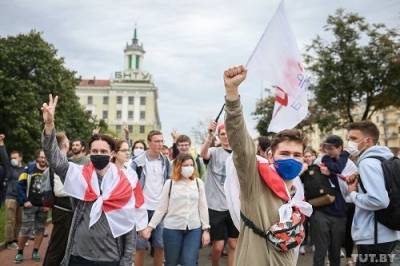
[(232, 78)]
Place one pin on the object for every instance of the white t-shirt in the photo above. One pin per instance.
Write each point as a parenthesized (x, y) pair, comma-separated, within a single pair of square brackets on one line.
[(153, 184)]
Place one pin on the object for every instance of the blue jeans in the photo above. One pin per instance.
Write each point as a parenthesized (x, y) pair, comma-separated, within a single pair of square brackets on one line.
[(156, 239), (181, 246)]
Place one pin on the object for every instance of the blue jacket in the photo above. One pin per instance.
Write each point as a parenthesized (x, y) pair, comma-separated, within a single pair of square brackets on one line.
[(12, 174), (375, 198)]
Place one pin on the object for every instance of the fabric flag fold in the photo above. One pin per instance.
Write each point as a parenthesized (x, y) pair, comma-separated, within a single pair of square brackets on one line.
[(277, 59), (116, 196)]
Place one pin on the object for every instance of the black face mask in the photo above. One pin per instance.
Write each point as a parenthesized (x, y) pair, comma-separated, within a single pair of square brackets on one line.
[(100, 161)]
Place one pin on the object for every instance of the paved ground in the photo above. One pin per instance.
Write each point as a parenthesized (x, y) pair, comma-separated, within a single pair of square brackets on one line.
[(7, 256)]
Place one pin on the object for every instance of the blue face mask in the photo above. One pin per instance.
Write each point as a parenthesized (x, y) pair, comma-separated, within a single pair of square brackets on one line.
[(288, 169)]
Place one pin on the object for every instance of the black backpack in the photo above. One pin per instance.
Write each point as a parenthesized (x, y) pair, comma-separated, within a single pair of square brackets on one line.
[(389, 217), (315, 183)]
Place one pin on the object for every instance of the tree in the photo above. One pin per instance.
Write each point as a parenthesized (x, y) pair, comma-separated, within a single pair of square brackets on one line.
[(30, 70), (263, 113), (358, 72)]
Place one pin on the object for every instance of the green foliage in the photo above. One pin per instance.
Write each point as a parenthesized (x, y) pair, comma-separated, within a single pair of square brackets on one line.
[(357, 73), (263, 113), (30, 70)]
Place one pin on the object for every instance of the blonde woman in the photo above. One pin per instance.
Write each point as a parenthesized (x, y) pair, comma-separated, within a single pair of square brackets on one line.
[(183, 207)]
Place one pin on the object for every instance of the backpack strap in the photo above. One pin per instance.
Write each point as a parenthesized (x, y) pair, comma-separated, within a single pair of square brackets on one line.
[(381, 159)]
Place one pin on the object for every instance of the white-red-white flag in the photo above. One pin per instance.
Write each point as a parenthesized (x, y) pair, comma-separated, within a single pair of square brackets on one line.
[(277, 59), (119, 196)]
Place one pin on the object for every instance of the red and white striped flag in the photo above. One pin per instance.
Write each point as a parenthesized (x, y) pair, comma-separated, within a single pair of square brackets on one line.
[(119, 196)]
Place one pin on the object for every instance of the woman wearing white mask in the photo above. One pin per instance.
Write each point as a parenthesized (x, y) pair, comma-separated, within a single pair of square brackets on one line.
[(183, 206), (138, 148)]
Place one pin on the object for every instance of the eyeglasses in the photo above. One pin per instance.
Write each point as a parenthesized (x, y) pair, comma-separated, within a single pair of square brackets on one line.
[(124, 150)]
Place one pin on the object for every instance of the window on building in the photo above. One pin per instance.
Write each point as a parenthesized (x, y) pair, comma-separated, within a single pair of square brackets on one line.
[(137, 61), (142, 115), (119, 99), (90, 100), (130, 114), (130, 128), (105, 99), (142, 129), (142, 100), (119, 114), (105, 114), (131, 99), (130, 61), (118, 128)]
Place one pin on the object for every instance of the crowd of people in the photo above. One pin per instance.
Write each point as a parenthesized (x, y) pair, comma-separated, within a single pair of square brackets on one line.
[(112, 199)]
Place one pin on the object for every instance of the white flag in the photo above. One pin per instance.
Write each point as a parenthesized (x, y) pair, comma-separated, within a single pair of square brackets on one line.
[(277, 59)]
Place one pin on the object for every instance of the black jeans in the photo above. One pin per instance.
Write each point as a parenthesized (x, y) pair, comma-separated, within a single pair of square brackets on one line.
[(349, 244), (59, 237), (327, 233), (376, 254), (79, 261)]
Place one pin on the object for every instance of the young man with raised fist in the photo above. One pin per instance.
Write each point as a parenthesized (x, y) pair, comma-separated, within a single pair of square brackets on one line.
[(264, 188)]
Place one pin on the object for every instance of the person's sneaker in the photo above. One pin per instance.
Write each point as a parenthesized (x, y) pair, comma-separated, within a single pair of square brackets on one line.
[(36, 256), (19, 258), (302, 250), (342, 254), (13, 245)]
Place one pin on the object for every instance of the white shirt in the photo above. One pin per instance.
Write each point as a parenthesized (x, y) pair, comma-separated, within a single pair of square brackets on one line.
[(185, 208), (154, 183)]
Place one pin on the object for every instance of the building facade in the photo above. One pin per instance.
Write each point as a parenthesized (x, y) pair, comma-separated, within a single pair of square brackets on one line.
[(128, 99), (387, 121)]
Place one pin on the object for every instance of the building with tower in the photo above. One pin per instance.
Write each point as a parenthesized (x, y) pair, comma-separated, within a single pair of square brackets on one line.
[(129, 98)]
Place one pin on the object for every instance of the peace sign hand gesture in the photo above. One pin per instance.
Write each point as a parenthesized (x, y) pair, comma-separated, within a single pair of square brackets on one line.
[(48, 111)]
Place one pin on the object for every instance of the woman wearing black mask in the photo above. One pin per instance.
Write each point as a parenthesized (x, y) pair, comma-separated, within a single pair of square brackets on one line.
[(104, 215)]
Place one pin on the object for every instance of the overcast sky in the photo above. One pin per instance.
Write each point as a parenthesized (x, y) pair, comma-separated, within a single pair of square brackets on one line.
[(188, 43)]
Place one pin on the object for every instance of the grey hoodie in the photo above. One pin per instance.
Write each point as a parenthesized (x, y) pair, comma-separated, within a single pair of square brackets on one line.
[(375, 198)]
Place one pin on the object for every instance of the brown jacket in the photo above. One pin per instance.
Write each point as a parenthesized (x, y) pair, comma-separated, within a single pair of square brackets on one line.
[(257, 201)]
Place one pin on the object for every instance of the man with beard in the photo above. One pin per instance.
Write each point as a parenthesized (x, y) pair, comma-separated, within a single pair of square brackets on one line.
[(78, 148), (34, 214)]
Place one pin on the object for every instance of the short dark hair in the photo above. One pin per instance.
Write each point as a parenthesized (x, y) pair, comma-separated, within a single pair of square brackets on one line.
[(110, 141), (139, 141), (183, 138), (294, 135), (334, 140), (153, 133), (367, 128), (16, 151), (81, 141), (264, 143), (37, 153)]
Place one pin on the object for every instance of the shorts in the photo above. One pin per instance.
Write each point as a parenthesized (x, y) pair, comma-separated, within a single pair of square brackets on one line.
[(222, 226), (156, 239), (33, 221)]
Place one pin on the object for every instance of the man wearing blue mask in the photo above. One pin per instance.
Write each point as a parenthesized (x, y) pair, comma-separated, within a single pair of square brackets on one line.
[(264, 188)]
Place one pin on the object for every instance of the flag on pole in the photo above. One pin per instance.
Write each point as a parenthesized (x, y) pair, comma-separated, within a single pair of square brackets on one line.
[(277, 59)]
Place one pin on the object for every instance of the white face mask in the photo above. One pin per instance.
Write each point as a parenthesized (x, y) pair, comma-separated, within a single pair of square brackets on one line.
[(137, 152), (187, 171), (14, 162), (352, 148)]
